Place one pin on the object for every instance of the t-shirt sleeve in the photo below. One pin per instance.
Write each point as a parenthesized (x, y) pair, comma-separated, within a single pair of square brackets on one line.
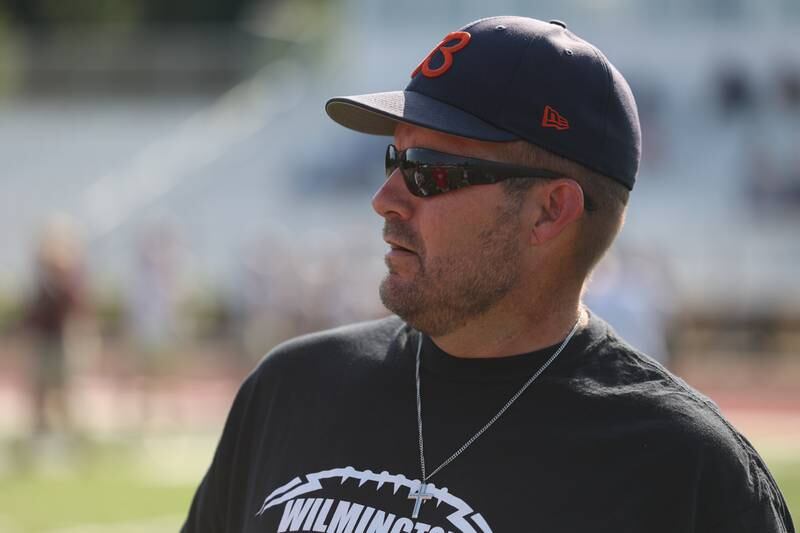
[(762, 513), (210, 508), (739, 495), (764, 510)]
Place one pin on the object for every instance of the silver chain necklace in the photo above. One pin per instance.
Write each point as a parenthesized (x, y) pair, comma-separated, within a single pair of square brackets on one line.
[(421, 494)]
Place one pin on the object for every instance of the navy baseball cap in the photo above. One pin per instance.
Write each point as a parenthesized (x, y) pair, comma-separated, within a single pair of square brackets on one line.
[(512, 78)]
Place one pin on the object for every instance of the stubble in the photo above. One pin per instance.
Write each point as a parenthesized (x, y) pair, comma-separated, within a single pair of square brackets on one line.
[(448, 291)]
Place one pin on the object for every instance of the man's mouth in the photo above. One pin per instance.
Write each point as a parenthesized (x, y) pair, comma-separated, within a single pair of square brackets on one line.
[(396, 246)]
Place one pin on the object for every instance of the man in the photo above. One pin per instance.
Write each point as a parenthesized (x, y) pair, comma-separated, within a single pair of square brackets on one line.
[(493, 401), (57, 306)]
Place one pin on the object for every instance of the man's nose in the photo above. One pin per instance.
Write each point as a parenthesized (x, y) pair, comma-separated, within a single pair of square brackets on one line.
[(393, 198)]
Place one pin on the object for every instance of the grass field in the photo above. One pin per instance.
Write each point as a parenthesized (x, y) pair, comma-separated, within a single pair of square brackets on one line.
[(787, 474), (140, 485), (146, 484)]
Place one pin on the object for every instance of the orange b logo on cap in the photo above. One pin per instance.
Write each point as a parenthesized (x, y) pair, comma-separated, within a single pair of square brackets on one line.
[(447, 52)]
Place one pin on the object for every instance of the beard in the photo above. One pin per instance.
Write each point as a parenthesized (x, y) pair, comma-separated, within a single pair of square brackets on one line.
[(449, 290)]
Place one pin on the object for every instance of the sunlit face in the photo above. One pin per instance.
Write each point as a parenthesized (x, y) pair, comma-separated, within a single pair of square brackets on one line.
[(453, 256)]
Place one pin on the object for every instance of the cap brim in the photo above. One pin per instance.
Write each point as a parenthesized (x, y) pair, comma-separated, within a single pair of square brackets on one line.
[(379, 113)]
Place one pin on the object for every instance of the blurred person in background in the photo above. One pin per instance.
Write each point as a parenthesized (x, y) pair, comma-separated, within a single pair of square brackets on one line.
[(154, 307), (57, 304), (154, 297), (494, 400)]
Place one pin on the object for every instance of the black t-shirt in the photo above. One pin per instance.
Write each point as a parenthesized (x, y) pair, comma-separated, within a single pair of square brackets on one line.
[(322, 437)]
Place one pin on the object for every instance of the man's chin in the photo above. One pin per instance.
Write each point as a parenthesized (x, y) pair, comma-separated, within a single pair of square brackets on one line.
[(399, 295), (402, 298)]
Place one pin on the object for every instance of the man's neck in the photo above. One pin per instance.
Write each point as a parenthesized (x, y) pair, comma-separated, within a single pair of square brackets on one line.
[(503, 334)]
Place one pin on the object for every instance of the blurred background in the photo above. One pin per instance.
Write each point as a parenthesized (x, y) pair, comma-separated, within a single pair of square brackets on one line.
[(174, 202)]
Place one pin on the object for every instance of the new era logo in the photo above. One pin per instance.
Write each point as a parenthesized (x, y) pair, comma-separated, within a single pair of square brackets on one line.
[(553, 119)]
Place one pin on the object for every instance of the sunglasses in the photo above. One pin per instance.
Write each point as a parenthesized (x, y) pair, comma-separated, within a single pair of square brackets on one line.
[(428, 172)]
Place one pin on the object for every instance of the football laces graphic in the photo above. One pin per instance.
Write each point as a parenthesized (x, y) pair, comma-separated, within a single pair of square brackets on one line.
[(464, 518)]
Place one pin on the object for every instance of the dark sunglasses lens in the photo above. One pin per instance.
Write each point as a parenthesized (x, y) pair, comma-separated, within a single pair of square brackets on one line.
[(429, 173), (430, 181), (416, 181)]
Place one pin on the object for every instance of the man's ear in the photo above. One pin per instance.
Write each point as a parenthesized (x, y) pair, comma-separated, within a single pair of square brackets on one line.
[(559, 204)]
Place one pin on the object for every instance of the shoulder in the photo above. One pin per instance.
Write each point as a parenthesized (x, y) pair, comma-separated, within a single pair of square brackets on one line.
[(609, 367), (636, 388), (672, 415), (363, 343), (619, 373)]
